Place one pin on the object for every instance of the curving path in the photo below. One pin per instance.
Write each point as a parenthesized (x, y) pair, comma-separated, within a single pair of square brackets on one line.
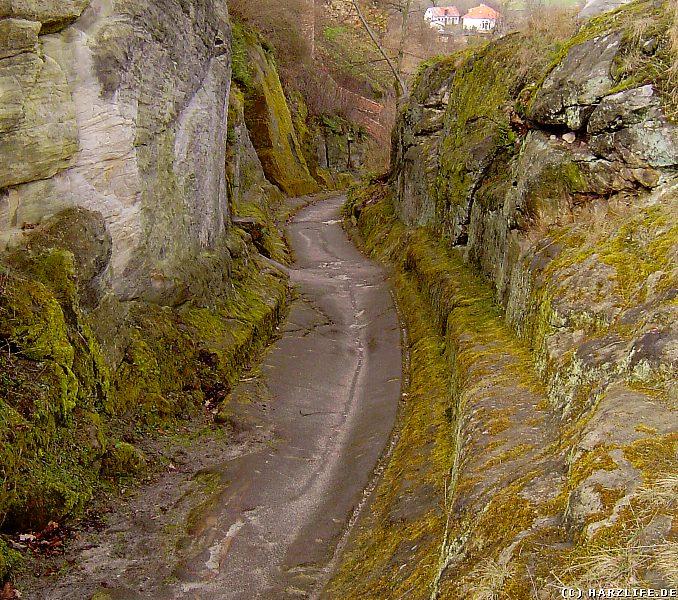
[(333, 381), (261, 517), (334, 384)]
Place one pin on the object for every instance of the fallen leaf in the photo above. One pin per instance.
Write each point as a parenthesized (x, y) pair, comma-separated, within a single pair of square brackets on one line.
[(9, 593)]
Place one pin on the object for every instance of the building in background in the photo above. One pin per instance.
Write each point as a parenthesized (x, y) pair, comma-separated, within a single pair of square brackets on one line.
[(480, 18), (440, 17)]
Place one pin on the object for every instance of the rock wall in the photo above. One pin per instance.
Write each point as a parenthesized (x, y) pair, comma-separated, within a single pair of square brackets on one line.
[(554, 180), (132, 284), (268, 117), (542, 182), (120, 108), (255, 201)]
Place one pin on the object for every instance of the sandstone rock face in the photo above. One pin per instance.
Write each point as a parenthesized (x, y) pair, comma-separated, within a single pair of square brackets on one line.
[(122, 112), (339, 152), (271, 128), (53, 15), (253, 198), (37, 113)]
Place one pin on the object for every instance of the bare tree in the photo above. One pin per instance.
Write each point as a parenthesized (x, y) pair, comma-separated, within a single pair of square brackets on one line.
[(401, 85), (404, 9)]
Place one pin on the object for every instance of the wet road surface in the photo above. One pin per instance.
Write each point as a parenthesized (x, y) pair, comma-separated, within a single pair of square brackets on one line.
[(260, 517), (333, 385)]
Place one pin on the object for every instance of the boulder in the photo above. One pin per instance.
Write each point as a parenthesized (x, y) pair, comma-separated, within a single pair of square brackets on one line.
[(54, 15), (576, 84), (631, 126)]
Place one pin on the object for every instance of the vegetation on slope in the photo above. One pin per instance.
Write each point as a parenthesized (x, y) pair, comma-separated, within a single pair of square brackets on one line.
[(510, 522), (73, 406)]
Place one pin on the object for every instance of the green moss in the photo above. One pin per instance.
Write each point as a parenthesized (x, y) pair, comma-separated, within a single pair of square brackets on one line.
[(123, 459), (270, 125), (416, 474), (33, 322), (640, 247), (484, 86), (508, 514), (239, 61), (432, 72), (61, 408), (509, 455), (9, 560), (272, 243), (465, 331), (654, 456)]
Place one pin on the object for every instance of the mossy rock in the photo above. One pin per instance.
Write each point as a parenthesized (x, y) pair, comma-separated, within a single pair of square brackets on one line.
[(123, 459), (620, 49), (482, 86), (9, 559), (62, 392), (270, 125), (31, 320)]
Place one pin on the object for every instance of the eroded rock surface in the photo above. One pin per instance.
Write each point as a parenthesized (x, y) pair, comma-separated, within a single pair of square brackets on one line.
[(123, 112), (557, 182)]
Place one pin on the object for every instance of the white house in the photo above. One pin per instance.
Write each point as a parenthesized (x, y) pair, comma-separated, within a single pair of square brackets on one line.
[(480, 18), (440, 17)]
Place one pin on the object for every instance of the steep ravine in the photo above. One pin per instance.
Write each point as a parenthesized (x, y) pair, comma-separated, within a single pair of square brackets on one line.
[(145, 157), (254, 509), (530, 218)]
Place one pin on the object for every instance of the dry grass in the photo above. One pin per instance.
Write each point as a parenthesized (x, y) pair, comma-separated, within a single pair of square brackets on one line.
[(618, 567), (662, 495), (628, 562), (667, 562), (552, 22), (545, 29), (489, 578)]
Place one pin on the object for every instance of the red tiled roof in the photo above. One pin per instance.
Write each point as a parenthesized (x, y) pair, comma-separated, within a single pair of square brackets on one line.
[(481, 12), (444, 11)]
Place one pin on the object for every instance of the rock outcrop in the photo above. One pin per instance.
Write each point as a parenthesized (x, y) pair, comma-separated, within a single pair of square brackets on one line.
[(134, 213), (557, 182), (120, 108), (269, 120)]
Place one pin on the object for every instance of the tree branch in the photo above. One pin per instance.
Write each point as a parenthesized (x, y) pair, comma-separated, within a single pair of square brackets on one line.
[(402, 86)]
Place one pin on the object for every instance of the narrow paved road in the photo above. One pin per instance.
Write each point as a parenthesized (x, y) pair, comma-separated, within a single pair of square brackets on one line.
[(260, 517), (334, 385)]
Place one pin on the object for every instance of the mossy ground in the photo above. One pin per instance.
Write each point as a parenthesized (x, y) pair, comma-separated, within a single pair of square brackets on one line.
[(67, 419), (393, 553)]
